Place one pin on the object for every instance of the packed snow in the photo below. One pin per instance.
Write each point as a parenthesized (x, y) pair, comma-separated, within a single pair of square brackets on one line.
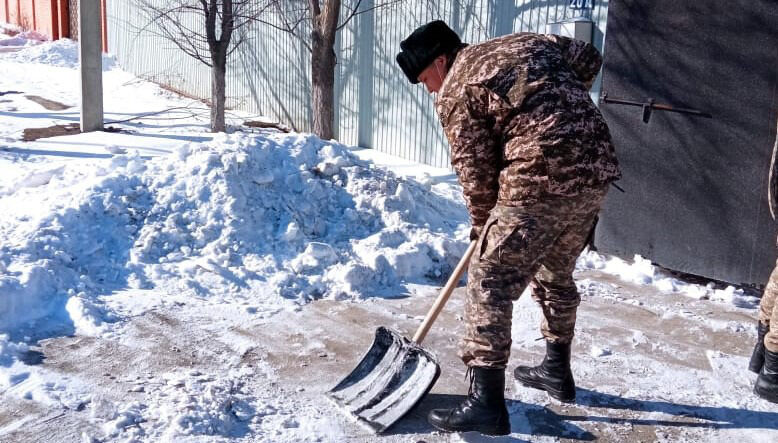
[(99, 229)]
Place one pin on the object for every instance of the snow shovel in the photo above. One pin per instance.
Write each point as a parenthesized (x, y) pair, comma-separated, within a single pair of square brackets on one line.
[(395, 373)]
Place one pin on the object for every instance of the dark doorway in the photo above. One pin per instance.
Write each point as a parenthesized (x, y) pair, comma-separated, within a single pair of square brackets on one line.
[(696, 187)]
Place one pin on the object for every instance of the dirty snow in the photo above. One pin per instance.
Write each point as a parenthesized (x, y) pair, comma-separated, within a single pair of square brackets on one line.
[(210, 237)]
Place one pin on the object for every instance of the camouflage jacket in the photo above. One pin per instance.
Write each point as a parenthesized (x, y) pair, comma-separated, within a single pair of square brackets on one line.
[(517, 113)]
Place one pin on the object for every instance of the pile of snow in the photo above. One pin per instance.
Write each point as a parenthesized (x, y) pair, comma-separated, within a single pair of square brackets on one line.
[(642, 272), (9, 29), (61, 53), (273, 219), (14, 36)]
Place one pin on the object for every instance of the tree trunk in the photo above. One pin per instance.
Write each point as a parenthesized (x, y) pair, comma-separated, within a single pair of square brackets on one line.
[(218, 91), (323, 82)]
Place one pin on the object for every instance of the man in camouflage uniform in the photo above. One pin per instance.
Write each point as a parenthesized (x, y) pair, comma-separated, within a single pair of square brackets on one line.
[(764, 360), (534, 157)]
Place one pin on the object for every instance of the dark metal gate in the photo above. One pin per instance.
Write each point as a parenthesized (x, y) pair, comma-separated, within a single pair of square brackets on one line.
[(696, 187)]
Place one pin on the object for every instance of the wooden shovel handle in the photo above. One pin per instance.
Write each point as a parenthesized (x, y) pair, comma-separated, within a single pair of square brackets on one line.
[(444, 295)]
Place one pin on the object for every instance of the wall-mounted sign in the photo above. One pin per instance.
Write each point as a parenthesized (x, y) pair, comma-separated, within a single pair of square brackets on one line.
[(581, 4)]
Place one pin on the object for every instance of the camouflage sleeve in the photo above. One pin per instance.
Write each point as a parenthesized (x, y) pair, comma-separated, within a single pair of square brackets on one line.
[(583, 58), (475, 154)]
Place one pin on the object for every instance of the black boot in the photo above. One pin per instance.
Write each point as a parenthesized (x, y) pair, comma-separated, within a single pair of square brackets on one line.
[(757, 358), (484, 409), (767, 383), (553, 375)]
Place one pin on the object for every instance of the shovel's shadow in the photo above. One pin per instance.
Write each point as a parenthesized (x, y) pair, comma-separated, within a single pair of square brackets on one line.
[(542, 421)]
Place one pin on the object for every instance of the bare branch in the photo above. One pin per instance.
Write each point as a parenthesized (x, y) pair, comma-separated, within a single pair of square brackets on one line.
[(355, 12), (237, 44), (227, 23), (350, 16), (291, 19), (171, 27)]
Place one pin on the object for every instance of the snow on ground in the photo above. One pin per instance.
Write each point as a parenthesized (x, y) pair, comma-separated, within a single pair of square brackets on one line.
[(643, 272), (211, 232)]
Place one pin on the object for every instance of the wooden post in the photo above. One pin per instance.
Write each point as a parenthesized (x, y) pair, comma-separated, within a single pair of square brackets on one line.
[(104, 18), (63, 18)]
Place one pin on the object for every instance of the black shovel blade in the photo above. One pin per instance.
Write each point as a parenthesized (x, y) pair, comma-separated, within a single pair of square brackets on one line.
[(393, 376)]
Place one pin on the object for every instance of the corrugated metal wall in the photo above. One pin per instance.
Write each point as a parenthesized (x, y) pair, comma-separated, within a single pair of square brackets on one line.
[(376, 106)]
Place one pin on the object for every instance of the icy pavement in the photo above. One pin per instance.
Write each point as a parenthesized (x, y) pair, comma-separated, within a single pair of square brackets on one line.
[(169, 284), (211, 371)]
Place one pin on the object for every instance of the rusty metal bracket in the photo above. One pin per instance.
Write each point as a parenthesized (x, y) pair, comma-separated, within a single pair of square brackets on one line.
[(650, 105)]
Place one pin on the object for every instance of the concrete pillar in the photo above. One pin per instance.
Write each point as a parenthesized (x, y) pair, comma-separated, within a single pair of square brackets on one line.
[(91, 64), (365, 47)]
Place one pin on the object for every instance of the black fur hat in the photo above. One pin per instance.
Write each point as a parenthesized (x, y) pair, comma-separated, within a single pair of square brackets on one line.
[(423, 45)]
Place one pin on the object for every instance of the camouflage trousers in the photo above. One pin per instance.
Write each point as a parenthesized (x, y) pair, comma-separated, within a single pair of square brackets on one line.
[(768, 311), (535, 245)]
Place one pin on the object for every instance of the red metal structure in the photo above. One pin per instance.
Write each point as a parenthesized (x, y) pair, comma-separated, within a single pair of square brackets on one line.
[(49, 17)]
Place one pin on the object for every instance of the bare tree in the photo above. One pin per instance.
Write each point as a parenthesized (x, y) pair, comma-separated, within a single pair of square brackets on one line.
[(207, 30), (322, 18)]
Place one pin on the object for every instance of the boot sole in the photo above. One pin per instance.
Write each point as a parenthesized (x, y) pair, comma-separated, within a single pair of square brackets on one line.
[(476, 429), (554, 393)]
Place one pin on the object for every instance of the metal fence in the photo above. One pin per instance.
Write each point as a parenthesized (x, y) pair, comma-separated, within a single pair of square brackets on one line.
[(376, 106)]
